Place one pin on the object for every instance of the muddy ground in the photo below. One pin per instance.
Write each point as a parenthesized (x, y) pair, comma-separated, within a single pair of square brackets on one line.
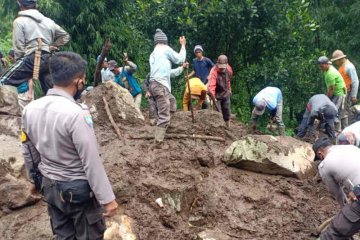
[(199, 191)]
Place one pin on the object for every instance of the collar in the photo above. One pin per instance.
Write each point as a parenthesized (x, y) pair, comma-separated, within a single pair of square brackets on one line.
[(59, 92)]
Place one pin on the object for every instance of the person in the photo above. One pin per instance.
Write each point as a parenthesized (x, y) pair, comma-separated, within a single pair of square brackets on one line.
[(271, 98), (160, 86), (348, 72), (202, 65), (350, 135), (106, 74), (219, 86), (151, 102), (27, 28), (335, 87), (322, 108), (198, 91), (59, 141), (124, 77), (347, 222), (11, 56)]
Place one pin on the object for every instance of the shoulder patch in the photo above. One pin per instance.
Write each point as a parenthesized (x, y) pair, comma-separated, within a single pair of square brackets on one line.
[(88, 120)]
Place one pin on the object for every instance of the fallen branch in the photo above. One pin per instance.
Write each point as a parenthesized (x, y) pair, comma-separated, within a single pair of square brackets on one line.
[(172, 135), (117, 130)]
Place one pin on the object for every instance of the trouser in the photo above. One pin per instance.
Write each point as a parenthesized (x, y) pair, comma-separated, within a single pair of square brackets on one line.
[(339, 102), (153, 109), (223, 106), (161, 95), (23, 69), (137, 101), (307, 124), (24, 99), (345, 224), (276, 113), (73, 213)]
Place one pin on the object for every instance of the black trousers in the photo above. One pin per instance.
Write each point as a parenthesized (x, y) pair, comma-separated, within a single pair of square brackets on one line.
[(345, 224), (73, 214), (224, 107), (22, 71)]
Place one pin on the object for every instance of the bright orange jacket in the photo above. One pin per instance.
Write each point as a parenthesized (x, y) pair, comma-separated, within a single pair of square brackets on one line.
[(346, 77)]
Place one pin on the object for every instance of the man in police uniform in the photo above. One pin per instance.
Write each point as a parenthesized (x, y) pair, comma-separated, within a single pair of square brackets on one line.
[(58, 140), (340, 168)]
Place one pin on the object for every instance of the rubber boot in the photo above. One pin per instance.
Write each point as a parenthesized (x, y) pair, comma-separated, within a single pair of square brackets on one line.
[(159, 134), (282, 131)]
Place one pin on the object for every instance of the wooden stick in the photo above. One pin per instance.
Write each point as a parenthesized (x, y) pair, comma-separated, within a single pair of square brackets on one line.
[(117, 130), (189, 89), (104, 52), (173, 135)]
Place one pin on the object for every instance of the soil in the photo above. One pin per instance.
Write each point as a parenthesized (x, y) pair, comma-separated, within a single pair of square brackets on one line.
[(198, 190)]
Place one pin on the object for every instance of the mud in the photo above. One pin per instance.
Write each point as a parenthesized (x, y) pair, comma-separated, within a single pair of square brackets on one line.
[(198, 190)]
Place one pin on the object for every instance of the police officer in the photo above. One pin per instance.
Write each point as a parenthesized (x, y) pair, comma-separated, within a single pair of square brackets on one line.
[(58, 139), (340, 167)]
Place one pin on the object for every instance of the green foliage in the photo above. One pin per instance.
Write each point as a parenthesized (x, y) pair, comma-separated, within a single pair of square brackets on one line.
[(268, 43)]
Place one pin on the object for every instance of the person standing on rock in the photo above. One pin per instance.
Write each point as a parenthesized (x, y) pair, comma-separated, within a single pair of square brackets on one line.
[(151, 102), (350, 135), (27, 28), (271, 98), (339, 168), (59, 140), (160, 71), (322, 108), (124, 77), (348, 72), (106, 74), (219, 86), (335, 87)]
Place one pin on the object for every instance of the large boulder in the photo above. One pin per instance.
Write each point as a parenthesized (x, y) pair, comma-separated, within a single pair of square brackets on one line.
[(121, 104), (9, 101), (272, 155)]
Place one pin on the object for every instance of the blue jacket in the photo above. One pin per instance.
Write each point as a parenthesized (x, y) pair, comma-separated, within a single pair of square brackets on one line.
[(134, 87)]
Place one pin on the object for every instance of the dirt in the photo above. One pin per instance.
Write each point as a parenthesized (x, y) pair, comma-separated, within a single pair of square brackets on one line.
[(198, 190)]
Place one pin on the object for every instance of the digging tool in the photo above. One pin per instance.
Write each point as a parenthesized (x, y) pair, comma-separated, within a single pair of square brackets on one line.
[(35, 78), (126, 84), (189, 89), (104, 52)]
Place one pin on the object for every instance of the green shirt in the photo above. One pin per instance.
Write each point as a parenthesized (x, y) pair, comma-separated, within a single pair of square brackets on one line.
[(334, 78)]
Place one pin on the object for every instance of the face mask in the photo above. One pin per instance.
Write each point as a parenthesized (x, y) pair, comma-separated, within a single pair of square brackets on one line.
[(79, 91)]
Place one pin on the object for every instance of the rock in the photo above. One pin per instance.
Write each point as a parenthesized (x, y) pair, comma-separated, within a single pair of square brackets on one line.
[(10, 125), (212, 235), (121, 104), (10, 151), (9, 101), (272, 155), (14, 193), (121, 228)]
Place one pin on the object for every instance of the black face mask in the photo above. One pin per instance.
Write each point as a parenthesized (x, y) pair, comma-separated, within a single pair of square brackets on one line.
[(79, 91)]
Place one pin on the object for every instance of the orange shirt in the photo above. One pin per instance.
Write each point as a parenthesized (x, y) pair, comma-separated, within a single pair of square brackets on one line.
[(346, 77)]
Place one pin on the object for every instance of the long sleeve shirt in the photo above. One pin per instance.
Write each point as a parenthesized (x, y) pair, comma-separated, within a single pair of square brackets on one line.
[(348, 72), (213, 84), (321, 104), (31, 25), (340, 168), (61, 139), (160, 63), (355, 129), (196, 87), (271, 95)]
